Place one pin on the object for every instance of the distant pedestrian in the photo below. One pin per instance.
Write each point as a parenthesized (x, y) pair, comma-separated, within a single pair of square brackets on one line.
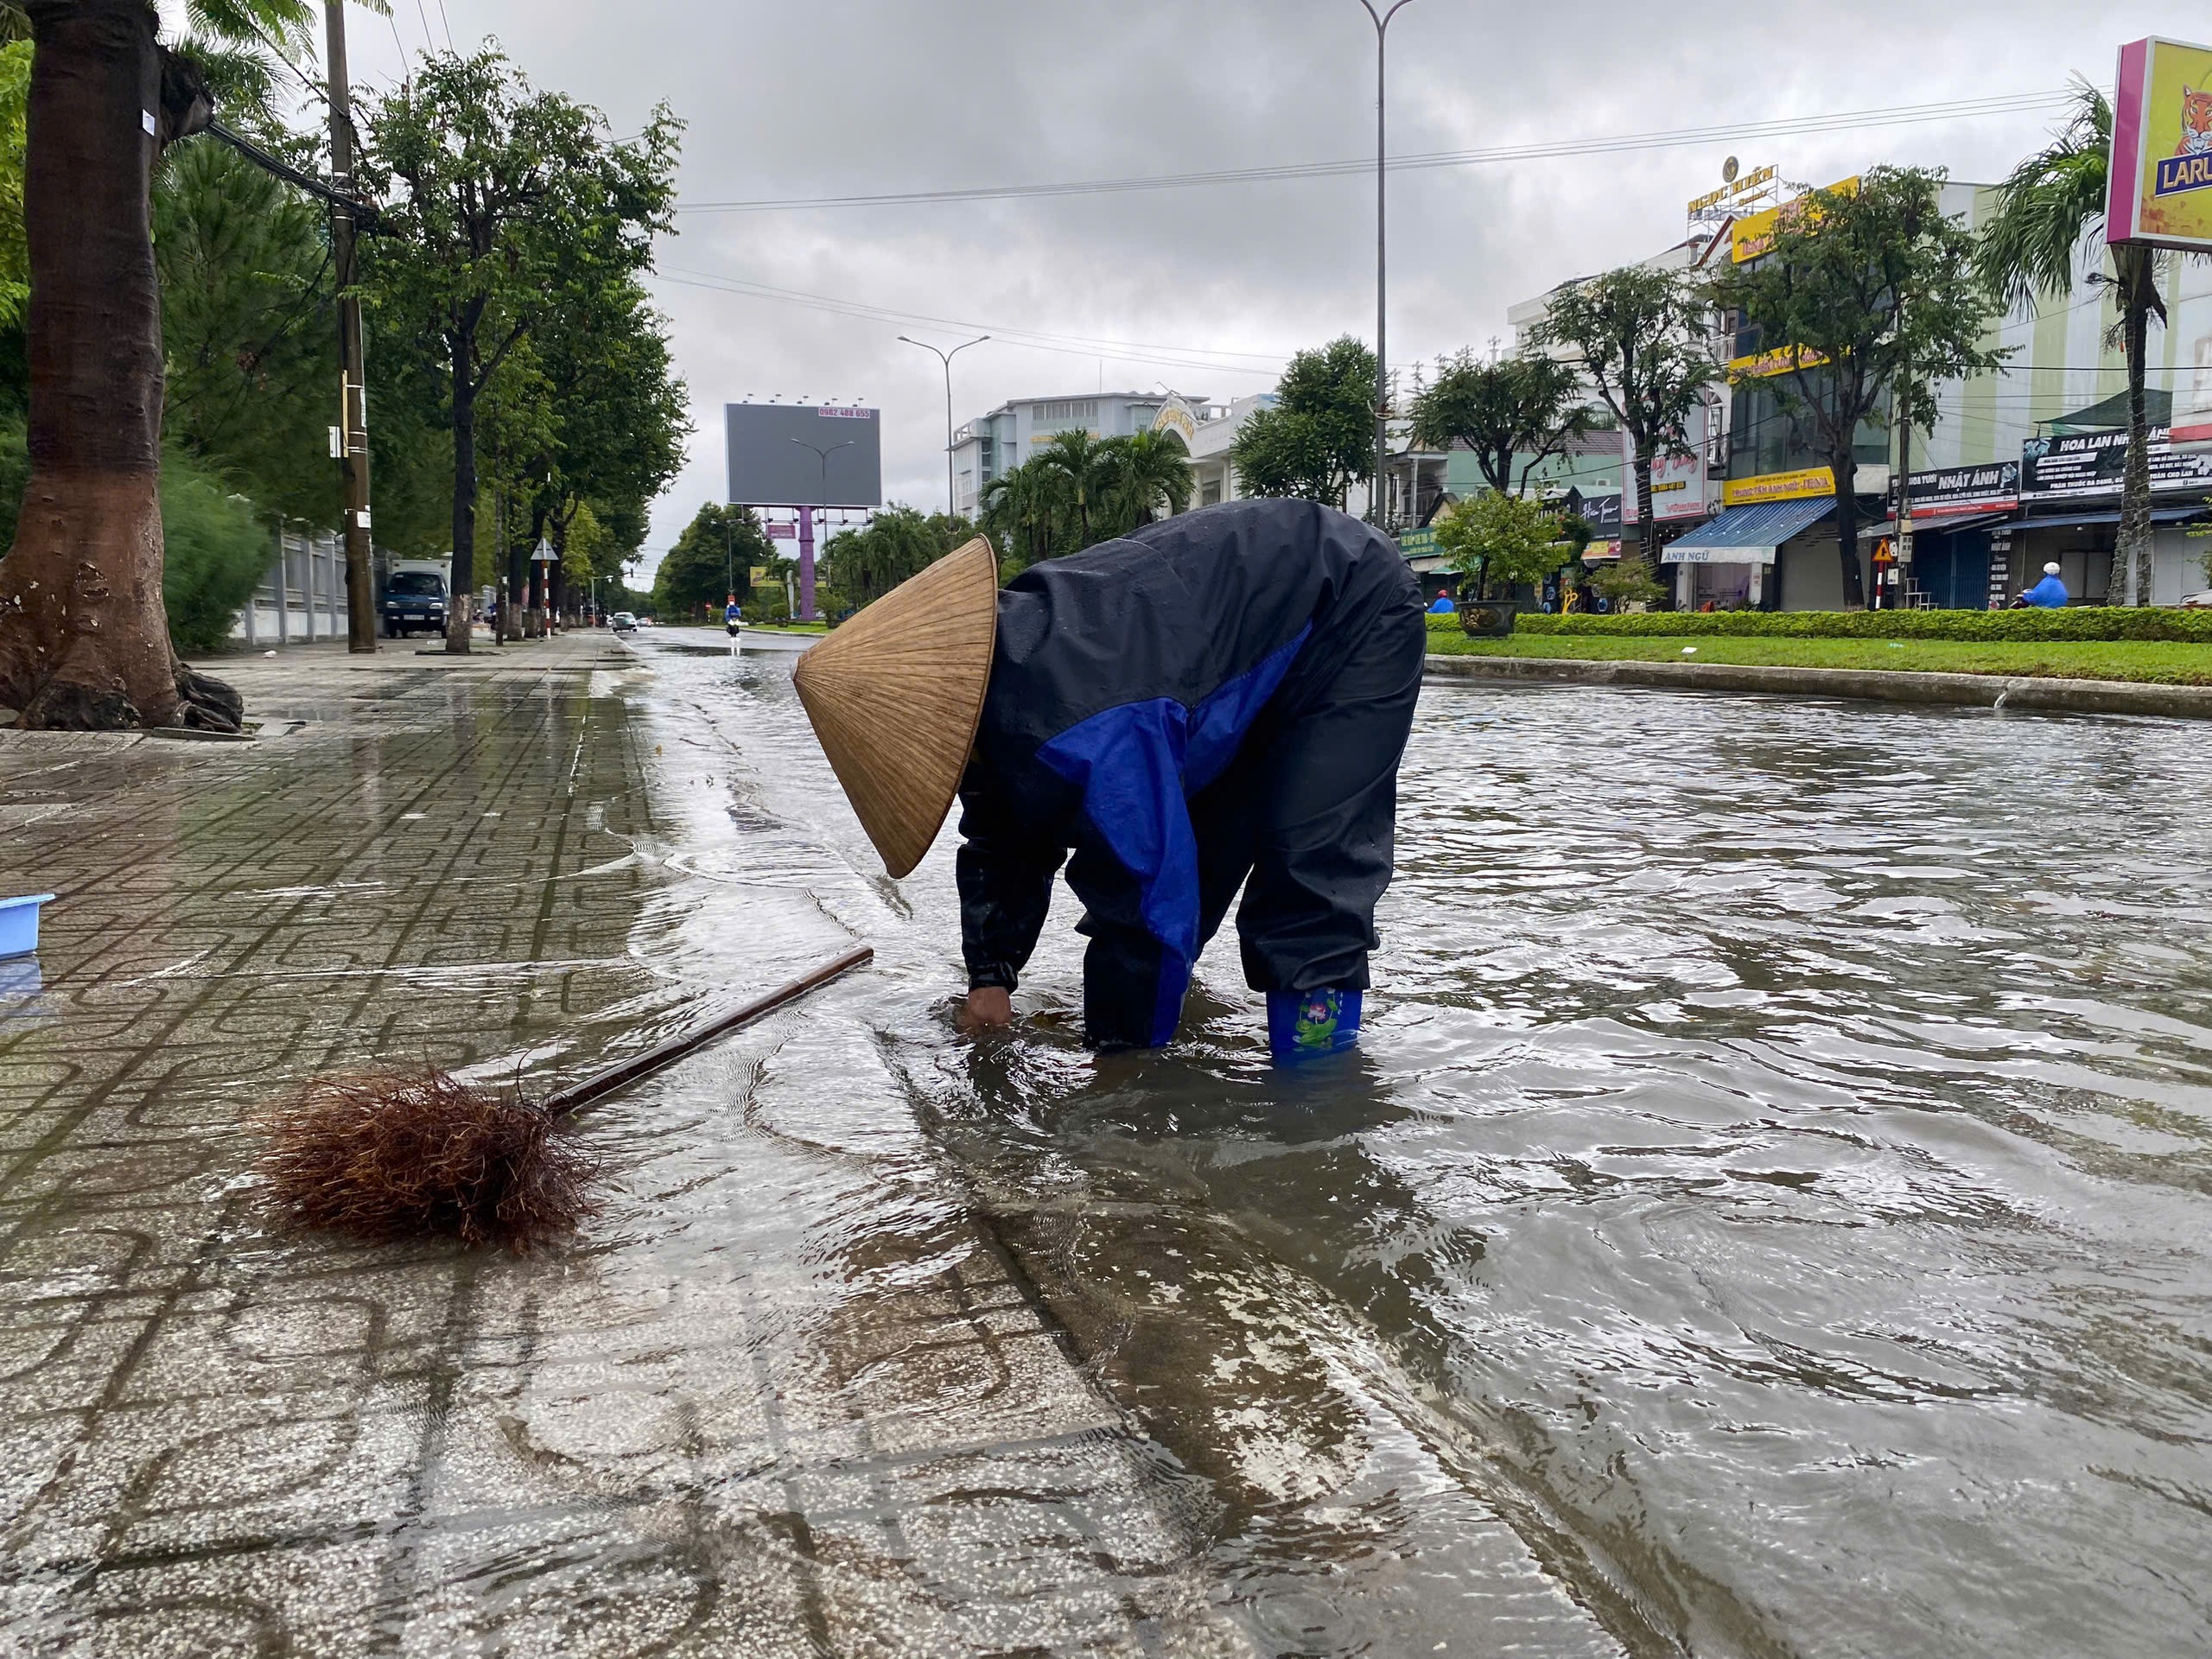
[(734, 619), (2048, 594)]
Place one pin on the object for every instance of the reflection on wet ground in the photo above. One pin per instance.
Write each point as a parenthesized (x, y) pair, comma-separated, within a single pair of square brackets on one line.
[(1767, 1217)]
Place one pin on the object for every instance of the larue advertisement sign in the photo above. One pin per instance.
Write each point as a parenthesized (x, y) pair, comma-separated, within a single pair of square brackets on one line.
[(2160, 188)]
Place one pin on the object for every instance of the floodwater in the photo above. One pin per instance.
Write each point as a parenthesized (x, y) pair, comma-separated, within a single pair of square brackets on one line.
[(1769, 1214)]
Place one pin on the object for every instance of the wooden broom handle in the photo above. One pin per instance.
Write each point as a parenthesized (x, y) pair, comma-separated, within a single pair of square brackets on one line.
[(600, 1084)]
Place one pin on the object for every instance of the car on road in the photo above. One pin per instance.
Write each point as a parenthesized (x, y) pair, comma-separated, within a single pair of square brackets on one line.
[(414, 602), (623, 622)]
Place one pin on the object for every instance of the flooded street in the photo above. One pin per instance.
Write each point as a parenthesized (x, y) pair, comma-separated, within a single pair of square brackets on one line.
[(1768, 1213), (1770, 1204)]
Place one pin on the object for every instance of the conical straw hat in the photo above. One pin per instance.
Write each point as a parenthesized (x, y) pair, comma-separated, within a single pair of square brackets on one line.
[(895, 695)]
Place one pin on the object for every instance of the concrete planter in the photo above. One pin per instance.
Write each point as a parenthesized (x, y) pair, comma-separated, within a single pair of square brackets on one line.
[(1488, 619)]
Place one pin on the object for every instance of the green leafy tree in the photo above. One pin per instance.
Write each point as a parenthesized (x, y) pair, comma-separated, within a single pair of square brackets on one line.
[(1644, 338), (1873, 294), (1629, 581), (247, 329), (1091, 473), (1027, 514), (1501, 538), (2030, 246), (713, 559), (1529, 404), (502, 203), (862, 565), (83, 633), (1320, 433), (1151, 472)]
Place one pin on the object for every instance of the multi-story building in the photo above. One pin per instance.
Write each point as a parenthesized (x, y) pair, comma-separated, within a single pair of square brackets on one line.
[(997, 442)]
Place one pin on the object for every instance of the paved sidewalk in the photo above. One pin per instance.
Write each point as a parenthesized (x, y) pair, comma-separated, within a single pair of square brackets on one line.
[(785, 1397)]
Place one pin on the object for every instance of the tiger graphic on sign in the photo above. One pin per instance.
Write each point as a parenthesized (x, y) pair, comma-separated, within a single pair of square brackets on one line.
[(2196, 122)]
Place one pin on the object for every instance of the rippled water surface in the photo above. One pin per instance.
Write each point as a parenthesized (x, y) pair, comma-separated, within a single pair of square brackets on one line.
[(1771, 1203)]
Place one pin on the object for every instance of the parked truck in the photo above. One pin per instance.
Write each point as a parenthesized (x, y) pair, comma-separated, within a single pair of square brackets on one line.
[(411, 596)]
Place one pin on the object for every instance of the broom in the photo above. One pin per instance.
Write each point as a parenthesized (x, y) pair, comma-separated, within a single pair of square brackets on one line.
[(394, 1155)]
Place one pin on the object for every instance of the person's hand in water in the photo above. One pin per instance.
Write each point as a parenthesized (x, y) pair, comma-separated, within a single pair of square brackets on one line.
[(989, 1007)]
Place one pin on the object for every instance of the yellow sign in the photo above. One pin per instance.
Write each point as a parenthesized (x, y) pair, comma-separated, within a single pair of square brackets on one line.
[(2161, 177), (1804, 483), (1762, 365), (1754, 234)]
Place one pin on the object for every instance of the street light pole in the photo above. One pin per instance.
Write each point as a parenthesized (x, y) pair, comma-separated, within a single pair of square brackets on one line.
[(1382, 21), (946, 358), (352, 394)]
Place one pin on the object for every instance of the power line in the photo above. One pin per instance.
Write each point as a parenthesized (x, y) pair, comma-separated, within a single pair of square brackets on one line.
[(1251, 363), (1900, 115)]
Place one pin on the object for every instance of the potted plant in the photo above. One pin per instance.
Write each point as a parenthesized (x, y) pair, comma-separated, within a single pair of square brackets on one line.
[(1495, 540)]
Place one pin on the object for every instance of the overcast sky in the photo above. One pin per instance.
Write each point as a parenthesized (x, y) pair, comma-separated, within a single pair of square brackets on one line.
[(1208, 287)]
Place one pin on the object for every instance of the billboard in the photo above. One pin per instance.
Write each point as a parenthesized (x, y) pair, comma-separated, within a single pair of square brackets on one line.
[(2160, 184), (2192, 428), (1678, 481), (1951, 490), (800, 455)]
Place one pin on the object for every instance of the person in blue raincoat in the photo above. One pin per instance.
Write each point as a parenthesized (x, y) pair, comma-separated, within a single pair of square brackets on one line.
[(2049, 594), (1215, 703)]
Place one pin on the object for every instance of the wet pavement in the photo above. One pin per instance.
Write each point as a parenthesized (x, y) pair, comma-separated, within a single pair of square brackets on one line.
[(1768, 1216)]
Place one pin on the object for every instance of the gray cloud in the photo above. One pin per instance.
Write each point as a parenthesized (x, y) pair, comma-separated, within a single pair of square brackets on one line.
[(841, 96)]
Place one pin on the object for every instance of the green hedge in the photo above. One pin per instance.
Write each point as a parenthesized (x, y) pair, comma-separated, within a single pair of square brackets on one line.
[(214, 549), (2084, 622)]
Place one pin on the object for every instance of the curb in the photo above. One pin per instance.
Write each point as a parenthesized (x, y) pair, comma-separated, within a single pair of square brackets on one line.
[(1879, 685)]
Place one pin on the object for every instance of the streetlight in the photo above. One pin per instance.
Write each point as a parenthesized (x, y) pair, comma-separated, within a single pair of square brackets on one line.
[(946, 358), (1382, 21), (806, 527)]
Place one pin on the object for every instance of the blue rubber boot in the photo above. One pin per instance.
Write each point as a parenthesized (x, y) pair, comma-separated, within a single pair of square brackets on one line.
[(1302, 1024)]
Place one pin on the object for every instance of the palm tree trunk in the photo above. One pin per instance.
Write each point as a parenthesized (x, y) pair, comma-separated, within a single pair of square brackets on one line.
[(83, 634), (2133, 557)]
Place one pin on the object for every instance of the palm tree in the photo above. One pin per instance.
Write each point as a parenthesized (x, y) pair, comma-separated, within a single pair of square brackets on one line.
[(83, 638), (1090, 467), (1155, 472), (1027, 512), (2029, 248)]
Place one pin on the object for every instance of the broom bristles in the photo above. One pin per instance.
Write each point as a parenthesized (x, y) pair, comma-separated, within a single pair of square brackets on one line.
[(394, 1155)]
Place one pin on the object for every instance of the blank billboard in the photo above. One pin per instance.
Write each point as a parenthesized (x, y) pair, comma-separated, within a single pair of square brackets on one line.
[(797, 455)]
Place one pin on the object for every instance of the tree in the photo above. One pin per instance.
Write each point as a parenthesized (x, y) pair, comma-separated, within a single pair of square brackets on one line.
[(1090, 472), (1644, 338), (1150, 470), (1027, 515), (862, 565), (1528, 404), (503, 202), (2030, 247), (83, 633), (1321, 434), (246, 327), (1494, 536), (713, 559), (1869, 295)]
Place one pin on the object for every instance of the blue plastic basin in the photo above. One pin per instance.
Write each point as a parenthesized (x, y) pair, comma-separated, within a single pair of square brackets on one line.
[(19, 923)]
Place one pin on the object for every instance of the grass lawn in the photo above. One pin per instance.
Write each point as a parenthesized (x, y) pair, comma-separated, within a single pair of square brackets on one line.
[(2167, 663)]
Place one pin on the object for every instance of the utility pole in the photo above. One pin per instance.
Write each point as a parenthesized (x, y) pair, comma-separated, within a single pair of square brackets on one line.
[(352, 394), (1382, 21), (1901, 551), (946, 359)]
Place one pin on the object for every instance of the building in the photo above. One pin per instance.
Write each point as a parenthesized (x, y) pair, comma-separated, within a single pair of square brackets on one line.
[(997, 442), (1213, 476)]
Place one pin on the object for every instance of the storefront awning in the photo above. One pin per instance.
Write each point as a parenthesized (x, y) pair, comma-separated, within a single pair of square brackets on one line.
[(1935, 526), (1749, 535), (2081, 520)]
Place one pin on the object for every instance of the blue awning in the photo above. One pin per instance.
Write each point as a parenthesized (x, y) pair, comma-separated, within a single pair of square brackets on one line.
[(1747, 535)]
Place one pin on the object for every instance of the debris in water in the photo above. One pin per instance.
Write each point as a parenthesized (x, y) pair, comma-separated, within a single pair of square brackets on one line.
[(395, 1155)]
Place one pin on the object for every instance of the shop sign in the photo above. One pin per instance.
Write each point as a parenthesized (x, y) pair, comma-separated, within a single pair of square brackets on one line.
[(1802, 485), (1765, 366), (2092, 464), (1734, 195), (2159, 190), (1678, 480), (1420, 543), (1994, 488), (1601, 513), (1754, 235)]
